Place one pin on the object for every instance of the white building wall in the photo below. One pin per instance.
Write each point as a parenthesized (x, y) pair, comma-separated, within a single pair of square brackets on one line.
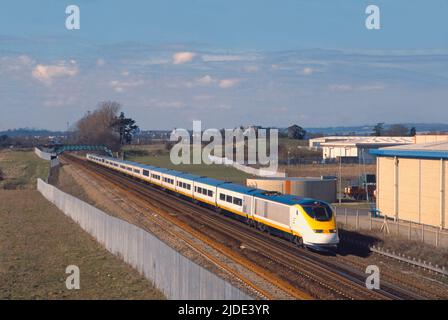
[(336, 152)]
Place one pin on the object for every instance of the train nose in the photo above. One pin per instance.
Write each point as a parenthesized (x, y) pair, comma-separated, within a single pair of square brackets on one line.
[(323, 239)]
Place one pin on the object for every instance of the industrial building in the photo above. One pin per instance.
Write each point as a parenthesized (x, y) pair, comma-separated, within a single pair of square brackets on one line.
[(315, 143), (412, 181), (316, 188), (427, 138), (356, 149)]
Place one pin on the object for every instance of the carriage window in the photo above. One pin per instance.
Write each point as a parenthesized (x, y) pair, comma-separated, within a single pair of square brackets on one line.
[(199, 190), (210, 193), (222, 197), (237, 201), (188, 187), (204, 192), (146, 173), (229, 199)]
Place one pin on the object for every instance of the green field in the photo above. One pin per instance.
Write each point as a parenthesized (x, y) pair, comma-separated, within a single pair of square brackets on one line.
[(292, 143), (20, 169), (159, 157)]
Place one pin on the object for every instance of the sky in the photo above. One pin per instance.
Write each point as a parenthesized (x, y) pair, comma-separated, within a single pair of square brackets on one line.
[(225, 62)]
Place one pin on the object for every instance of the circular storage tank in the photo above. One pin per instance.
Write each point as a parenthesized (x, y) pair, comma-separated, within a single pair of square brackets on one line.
[(316, 188)]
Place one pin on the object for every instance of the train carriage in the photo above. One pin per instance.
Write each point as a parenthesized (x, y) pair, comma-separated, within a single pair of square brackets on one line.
[(185, 184), (146, 172), (205, 190), (169, 179), (157, 176), (236, 198)]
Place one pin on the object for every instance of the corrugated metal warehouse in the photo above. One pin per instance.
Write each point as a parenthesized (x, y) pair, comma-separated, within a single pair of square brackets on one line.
[(412, 181), (316, 188), (357, 149)]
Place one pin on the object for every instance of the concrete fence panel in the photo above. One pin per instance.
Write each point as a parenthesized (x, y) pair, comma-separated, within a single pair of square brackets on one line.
[(172, 273), (43, 155)]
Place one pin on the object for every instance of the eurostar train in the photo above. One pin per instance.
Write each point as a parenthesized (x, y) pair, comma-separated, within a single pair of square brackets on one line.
[(305, 221)]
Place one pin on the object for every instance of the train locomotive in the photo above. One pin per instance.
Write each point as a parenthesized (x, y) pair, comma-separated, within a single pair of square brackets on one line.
[(307, 222)]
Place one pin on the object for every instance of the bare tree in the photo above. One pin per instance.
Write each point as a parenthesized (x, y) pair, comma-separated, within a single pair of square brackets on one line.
[(97, 127)]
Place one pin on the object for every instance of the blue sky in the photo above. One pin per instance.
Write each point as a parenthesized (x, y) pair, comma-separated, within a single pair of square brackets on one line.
[(224, 62)]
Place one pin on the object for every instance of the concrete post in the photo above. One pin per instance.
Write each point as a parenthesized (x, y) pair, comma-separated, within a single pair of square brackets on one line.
[(442, 193), (437, 237), (395, 188)]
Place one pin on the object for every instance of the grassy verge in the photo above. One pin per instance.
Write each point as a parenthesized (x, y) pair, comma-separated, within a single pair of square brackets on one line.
[(20, 169), (38, 242)]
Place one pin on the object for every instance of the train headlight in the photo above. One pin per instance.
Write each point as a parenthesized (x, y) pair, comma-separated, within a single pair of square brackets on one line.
[(332, 230), (318, 230)]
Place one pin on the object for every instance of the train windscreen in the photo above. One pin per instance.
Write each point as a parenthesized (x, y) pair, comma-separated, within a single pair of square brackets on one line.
[(318, 211)]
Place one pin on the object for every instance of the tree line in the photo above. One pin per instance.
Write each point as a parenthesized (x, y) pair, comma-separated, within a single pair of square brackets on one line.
[(394, 130)]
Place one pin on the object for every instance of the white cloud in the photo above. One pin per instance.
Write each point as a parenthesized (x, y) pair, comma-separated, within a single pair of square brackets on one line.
[(59, 101), (308, 71), (119, 86), (100, 62), (203, 97), (228, 83), (15, 63), (183, 57), (341, 87), (171, 104), (372, 87), (158, 103), (151, 61), (221, 58), (205, 80), (251, 68), (348, 87), (46, 73)]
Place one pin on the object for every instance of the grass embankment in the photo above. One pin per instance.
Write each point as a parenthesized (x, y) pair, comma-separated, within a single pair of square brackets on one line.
[(38, 242), (20, 169)]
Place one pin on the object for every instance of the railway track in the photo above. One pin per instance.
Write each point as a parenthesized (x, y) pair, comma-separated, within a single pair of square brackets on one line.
[(143, 202), (338, 279)]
